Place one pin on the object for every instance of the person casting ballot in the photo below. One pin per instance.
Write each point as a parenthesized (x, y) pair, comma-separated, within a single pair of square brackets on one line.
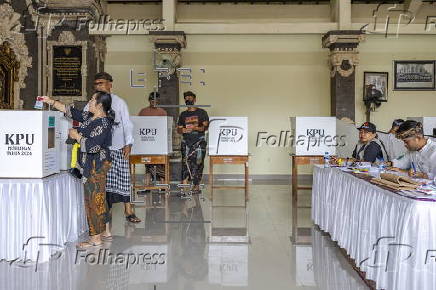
[(420, 160), (95, 137)]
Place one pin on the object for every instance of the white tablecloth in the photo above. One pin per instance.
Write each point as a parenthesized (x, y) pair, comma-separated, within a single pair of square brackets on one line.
[(46, 211), (390, 237)]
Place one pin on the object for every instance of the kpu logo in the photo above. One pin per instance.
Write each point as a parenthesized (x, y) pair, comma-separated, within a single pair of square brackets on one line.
[(19, 139), (147, 132), (315, 132)]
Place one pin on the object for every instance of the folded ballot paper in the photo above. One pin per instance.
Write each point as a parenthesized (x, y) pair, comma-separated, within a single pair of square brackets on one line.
[(396, 182)]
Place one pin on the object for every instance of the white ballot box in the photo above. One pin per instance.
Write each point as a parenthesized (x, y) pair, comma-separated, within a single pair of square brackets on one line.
[(428, 124), (28, 144), (314, 135), (152, 135), (228, 136), (64, 152)]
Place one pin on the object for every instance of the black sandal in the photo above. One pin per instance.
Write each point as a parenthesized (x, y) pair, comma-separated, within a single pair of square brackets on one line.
[(133, 218)]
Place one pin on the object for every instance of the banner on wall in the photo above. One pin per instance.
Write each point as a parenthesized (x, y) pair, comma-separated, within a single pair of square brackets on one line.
[(228, 136)]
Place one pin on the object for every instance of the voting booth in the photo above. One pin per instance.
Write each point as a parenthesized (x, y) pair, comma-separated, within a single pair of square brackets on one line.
[(228, 145), (428, 124), (152, 135), (313, 135), (28, 144), (228, 136), (152, 143)]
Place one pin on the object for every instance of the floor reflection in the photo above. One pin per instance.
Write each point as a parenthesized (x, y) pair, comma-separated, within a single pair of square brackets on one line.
[(170, 250)]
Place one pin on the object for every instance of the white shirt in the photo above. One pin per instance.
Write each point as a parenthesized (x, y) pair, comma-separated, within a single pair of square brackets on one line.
[(394, 146), (122, 133), (424, 159)]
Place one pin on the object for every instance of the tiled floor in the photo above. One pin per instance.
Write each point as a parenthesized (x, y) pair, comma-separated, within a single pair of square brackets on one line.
[(169, 250)]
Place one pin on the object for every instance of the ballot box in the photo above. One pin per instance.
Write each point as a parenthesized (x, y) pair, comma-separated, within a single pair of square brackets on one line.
[(228, 136), (64, 152), (29, 144), (313, 136), (428, 124), (152, 135)]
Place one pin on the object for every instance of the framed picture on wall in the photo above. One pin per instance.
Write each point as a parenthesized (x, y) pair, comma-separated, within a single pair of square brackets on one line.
[(375, 86), (415, 75)]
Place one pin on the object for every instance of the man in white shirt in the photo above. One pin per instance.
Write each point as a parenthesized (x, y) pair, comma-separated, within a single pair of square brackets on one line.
[(420, 159), (395, 146), (118, 184)]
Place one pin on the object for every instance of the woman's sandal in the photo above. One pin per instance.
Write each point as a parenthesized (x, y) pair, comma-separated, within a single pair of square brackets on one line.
[(133, 218), (88, 244)]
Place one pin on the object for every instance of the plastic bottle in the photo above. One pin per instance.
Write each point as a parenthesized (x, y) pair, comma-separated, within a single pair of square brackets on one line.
[(326, 159)]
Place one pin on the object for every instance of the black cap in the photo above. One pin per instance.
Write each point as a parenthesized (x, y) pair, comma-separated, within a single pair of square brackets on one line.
[(368, 126), (397, 122), (189, 93)]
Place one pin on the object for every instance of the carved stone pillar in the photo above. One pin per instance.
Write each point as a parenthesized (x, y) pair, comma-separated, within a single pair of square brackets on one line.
[(166, 60), (343, 59), (14, 58)]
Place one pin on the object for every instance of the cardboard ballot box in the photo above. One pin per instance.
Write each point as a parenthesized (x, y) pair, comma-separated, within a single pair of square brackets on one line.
[(428, 124), (228, 136), (64, 152), (313, 135), (152, 135), (28, 144)]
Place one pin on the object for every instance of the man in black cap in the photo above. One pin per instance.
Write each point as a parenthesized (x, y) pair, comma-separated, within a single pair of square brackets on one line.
[(369, 148), (394, 146)]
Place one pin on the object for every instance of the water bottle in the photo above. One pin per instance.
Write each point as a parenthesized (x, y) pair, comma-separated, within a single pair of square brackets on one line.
[(326, 160), (381, 167)]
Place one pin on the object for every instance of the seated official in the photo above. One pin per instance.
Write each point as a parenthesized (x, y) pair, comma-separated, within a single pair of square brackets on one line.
[(394, 146), (369, 148), (420, 159)]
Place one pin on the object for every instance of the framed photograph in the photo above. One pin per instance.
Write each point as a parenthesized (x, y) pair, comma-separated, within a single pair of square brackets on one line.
[(415, 75), (375, 86)]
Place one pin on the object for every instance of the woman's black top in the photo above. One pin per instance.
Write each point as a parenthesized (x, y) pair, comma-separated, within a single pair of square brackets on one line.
[(96, 140)]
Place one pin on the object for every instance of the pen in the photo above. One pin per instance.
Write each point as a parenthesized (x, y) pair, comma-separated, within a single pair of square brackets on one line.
[(413, 167)]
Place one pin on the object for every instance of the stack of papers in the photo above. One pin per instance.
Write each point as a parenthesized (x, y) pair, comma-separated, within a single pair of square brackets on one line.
[(396, 182)]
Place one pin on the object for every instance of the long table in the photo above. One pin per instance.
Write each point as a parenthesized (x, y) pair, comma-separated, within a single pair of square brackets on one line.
[(391, 238), (38, 216)]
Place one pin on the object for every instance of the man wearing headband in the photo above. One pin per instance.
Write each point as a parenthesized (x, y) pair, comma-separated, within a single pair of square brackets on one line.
[(420, 159), (153, 110), (369, 148)]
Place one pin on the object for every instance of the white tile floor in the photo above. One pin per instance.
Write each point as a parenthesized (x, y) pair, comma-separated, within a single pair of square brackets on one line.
[(177, 241)]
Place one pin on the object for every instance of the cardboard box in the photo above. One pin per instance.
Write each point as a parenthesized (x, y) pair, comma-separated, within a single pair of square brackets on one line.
[(313, 136), (29, 144), (228, 136), (152, 135)]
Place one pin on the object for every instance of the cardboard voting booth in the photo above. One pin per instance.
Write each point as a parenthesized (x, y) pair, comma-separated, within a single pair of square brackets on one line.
[(152, 135), (28, 144), (228, 136), (313, 135), (428, 124), (64, 152)]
